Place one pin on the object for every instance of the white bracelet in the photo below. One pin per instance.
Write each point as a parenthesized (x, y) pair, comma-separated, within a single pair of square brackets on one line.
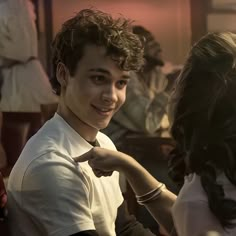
[(150, 192), (150, 196)]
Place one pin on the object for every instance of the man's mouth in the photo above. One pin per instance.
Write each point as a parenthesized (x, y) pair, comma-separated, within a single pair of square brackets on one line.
[(103, 111)]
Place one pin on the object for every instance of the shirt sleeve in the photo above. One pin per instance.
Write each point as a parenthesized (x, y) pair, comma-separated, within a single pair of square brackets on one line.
[(55, 194), (195, 219)]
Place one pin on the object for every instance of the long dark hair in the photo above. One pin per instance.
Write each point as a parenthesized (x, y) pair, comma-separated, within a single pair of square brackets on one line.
[(203, 114)]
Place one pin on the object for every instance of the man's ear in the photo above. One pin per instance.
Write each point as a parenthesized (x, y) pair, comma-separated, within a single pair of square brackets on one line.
[(62, 74)]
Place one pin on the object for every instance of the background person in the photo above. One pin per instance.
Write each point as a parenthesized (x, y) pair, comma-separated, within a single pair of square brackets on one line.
[(25, 83)]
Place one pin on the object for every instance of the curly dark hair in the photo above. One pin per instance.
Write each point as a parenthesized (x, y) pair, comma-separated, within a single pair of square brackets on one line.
[(91, 26), (203, 114)]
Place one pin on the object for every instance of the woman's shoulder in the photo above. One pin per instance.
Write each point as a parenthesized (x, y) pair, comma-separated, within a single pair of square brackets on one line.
[(192, 189)]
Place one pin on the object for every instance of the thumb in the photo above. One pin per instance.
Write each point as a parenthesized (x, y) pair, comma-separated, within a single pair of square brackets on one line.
[(84, 157)]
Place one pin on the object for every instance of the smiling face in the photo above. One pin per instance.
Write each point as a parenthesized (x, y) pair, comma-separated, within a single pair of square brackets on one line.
[(95, 92)]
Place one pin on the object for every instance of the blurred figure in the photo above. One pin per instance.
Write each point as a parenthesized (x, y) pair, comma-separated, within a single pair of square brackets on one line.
[(3, 212), (146, 99), (172, 77), (151, 75), (3, 159), (3, 195), (25, 83), (3, 199)]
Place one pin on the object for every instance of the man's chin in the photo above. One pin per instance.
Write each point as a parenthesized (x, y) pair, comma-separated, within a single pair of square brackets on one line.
[(102, 126)]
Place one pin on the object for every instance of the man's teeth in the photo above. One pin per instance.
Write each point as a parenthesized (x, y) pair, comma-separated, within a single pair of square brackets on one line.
[(105, 110)]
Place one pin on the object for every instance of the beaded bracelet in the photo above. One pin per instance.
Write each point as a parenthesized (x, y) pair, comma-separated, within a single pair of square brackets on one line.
[(150, 196)]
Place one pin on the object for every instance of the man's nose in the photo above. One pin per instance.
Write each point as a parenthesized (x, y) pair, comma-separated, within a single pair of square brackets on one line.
[(110, 94)]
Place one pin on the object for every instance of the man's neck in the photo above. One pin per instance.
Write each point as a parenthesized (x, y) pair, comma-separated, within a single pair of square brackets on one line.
[(84, 130), (94, 143)]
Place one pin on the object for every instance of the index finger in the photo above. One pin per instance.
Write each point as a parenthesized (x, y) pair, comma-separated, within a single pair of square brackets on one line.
[(84, 157)]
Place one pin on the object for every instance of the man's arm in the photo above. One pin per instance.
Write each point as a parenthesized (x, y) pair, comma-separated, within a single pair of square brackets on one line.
[(127, 225)]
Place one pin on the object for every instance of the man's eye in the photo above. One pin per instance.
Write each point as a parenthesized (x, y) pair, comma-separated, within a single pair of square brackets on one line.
[(98, 79), (122, 83)]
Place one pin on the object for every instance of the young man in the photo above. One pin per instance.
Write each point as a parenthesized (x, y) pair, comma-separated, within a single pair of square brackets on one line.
[(49, 194)]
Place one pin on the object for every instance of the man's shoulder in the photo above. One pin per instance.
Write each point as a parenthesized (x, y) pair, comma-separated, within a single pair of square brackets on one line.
[(47, 137), (50, 139)]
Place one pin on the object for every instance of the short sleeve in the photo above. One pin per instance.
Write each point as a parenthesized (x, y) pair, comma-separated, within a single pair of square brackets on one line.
[(194, 218), (55, 193)]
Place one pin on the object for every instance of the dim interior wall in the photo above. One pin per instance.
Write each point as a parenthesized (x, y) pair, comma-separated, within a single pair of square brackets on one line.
[(169, 20), (221, 22)]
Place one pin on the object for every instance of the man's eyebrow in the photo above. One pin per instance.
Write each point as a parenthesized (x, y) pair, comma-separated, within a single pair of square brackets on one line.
[(101, 70), (126, 77)]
